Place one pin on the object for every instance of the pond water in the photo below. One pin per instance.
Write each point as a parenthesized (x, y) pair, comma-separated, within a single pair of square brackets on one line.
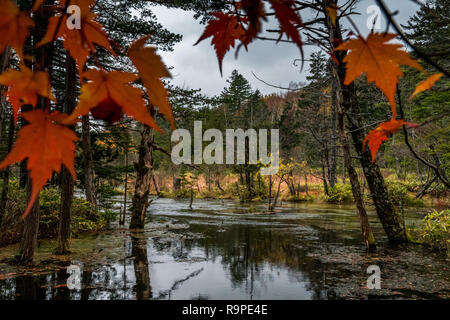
[(221, 250)]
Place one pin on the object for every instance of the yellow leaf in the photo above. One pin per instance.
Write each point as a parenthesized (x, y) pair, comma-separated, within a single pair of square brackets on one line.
[(332, 12)]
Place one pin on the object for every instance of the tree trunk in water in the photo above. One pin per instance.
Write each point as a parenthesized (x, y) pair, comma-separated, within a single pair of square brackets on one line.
[(390, 219), (369, 239), (140, 263), (44, 55), (6, 172), (88, 165), (144, 172), (67, 183)]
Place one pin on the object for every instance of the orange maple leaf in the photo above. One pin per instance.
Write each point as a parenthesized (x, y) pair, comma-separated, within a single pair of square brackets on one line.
[(225, 29), (14, 27), (151, 70), (427, 83), (110, 91), (288, 19), (25, 86), (79, 42), (376, 136), (47, 145), (379, 60)]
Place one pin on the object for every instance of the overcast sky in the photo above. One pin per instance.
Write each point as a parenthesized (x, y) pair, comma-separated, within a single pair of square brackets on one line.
[(197, 67)]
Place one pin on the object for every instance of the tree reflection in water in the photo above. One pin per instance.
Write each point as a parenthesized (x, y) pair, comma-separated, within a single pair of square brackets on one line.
[(142, 286)]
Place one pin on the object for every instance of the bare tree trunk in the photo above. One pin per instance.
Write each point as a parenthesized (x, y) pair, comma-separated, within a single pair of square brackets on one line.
[(67, 183), (219, 187), (272, 206), (423, 190), (5, 58), (241, 197), (30, 232), (6, 172), (88, 165), (155, 184), (4, 64), (144, 172), (124, 211), (369, 239), (191, 198), (42, 54), (306, 183), (324, 178), (332, 171), (390, 219)]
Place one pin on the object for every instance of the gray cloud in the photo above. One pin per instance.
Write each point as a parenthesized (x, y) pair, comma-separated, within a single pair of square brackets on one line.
[(197, 66)]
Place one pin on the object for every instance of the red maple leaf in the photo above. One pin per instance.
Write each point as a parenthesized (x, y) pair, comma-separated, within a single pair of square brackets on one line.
[(225, 29)]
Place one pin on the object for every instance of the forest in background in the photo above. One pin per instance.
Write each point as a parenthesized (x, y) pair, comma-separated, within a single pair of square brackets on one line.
[(322, 157)]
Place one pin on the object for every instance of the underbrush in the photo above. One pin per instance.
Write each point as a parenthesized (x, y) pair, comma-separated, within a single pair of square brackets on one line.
[(85, 218), (339, 193), (435, 230)]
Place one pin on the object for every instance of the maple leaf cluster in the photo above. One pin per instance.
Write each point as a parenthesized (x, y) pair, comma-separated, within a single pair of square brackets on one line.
[(380, 61), (47, 141), (374, 56), (245, 24)]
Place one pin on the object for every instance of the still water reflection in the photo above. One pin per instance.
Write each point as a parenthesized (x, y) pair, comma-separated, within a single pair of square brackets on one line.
[(220, 251)]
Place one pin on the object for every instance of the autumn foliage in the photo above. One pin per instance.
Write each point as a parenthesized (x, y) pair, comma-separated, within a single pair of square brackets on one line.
[(47, 141)]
